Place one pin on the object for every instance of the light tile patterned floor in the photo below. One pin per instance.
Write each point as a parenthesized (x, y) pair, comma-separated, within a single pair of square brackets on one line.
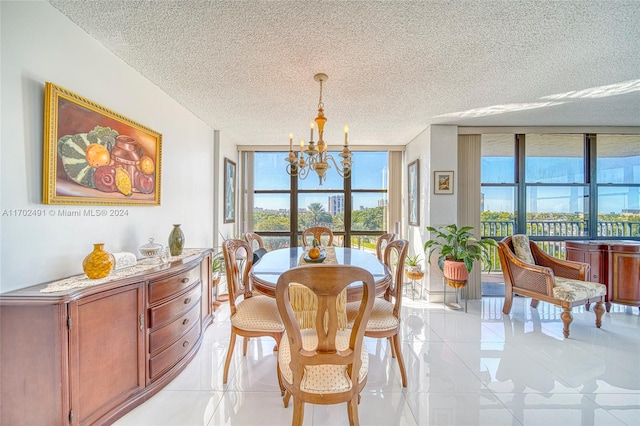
[(474, 368)]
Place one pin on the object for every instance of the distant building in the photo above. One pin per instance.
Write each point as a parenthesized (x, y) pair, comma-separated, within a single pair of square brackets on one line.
[(336, 204)]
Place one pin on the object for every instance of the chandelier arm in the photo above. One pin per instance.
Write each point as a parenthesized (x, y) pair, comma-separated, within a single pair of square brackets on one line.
[(342, 171), (303, 172)]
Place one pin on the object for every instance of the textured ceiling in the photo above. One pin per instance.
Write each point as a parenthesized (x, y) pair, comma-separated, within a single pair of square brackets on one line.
[(395, 67)]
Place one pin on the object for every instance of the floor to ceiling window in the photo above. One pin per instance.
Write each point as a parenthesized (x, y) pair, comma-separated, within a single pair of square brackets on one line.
[(355, 208), (555, 187), (618, 185)]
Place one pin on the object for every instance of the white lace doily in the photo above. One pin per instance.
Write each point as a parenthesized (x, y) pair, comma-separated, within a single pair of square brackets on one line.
[(80, 281)]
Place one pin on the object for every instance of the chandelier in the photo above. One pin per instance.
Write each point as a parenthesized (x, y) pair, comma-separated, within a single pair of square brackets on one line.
[(314, 156)]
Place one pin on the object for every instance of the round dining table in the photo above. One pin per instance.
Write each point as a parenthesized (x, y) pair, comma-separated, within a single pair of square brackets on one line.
[(265, 273)]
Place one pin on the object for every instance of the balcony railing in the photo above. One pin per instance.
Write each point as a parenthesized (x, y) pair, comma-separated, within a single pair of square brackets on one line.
[(541, 228)]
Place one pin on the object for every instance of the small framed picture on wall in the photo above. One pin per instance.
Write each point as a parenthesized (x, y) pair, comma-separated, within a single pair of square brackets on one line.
[(443, 182)]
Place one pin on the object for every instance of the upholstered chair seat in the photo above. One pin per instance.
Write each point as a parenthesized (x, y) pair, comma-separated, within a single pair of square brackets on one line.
[(381, 319), (258, 313), (325, 378)]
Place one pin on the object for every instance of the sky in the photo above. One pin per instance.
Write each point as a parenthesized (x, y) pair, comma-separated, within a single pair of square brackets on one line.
[(620, 171), (369, 171)]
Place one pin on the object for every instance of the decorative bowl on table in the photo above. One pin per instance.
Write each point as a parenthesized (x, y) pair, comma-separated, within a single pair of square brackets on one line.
[(151, 249), (323, 256)]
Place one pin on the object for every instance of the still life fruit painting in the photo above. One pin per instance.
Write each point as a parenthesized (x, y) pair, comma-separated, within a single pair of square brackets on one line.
[(95, 156)]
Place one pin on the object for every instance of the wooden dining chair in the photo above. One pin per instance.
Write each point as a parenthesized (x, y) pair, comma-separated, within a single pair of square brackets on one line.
[(257, 245), (317, 232), (384, 321), (382, 242), (252, 238), (254, 315), (324, 364)]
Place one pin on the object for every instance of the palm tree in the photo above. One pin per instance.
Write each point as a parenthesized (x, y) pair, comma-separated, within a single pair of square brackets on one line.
[(316, 210)]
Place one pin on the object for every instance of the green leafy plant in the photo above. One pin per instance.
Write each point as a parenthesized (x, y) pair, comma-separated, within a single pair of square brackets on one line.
[(458, 245), (217, 264), (413, 261)]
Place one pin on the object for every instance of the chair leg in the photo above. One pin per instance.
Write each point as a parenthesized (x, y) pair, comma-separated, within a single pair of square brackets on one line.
[(534, 303), (352, 409), (508, 299), (279, 378), (245, 344), (403, 372), (298, 412), (287, 397), (393, 349), (227, 361), (599, 310), (567, 318)]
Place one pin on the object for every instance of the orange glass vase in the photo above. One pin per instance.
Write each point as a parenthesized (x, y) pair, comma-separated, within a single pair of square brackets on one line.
[(98, 263)]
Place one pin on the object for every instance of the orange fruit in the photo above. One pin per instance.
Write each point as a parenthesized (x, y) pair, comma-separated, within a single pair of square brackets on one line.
[(314, 253), (97, 155), (146, 165)]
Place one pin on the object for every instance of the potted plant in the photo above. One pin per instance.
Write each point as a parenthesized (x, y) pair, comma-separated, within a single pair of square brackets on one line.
[(413, 263), (217, 269), (457, 250), (413, 268)]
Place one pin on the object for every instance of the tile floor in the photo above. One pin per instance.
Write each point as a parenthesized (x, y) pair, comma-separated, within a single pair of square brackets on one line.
[(475, 368)]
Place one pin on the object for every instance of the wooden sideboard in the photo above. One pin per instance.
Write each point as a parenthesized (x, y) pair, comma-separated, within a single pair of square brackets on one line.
[(614, 263), (90, 355)]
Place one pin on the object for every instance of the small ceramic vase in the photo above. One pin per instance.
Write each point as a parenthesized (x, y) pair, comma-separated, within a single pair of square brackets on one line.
[(98, 263), (176, 241)]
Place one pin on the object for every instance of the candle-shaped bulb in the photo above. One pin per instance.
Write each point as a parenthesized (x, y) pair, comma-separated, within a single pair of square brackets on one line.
[(290, 141), (301, 145), (311, 126), (346, 134)]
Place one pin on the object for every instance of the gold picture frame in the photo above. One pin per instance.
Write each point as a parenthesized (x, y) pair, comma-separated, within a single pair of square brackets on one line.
[(443, 182), (95, 156)]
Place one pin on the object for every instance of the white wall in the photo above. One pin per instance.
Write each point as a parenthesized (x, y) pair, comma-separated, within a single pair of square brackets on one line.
[(39, 44), (436, 148)]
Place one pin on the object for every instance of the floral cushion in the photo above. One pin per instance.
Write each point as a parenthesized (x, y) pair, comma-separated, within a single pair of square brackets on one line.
[(381, 318), (325, 378), (257, 313), (571, 290), (522, 249)]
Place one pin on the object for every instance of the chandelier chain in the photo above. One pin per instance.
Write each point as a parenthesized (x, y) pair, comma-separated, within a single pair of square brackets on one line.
[(314, 157), (320, 103)]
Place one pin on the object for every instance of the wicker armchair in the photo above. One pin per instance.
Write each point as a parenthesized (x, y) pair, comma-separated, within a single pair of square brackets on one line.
[(529, 271)]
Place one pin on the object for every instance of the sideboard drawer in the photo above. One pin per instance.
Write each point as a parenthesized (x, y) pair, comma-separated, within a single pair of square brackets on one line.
[(169, 333), (168, 311), (174, 353), (167, 287)]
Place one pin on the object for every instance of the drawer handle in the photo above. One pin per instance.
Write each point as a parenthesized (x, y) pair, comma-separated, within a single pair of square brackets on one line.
[(185, 343), (187, 300), (185, 280), (186, 321)]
